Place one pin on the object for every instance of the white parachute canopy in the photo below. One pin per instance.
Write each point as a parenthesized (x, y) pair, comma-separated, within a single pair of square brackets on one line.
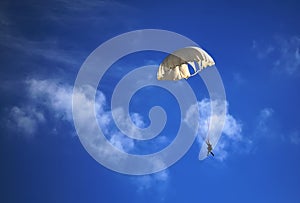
[(175, 65)]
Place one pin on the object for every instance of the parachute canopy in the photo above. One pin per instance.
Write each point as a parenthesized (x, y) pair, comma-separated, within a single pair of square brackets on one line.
[(175, 65)]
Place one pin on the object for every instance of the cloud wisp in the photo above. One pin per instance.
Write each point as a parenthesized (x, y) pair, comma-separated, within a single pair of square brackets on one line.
[(283, 54), (289, 56), (157, 182), (25, 120), (263, 120), (295, 137)]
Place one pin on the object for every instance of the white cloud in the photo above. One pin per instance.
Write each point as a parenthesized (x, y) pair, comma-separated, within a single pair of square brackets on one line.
[(53, 95), (266, 52), (262, 51), (47, 95), (57, 97), (25, 120), (137, 120), (263, 119), (125, 122), (268, 126), (162, 139), (122, 142), (232, 128), (283, 53), (220, 151), (157, 181), (289, 56)]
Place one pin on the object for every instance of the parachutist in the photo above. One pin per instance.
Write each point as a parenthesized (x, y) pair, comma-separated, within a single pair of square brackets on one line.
[(209, 148)]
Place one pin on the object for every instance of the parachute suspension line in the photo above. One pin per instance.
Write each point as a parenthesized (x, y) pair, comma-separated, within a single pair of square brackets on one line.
[(195, 73), (208, 122)]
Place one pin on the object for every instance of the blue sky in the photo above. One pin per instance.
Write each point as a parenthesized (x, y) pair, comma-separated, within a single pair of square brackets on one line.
[(256, 48)]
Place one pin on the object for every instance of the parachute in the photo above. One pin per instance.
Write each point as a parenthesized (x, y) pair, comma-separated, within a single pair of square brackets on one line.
[(175, 65)]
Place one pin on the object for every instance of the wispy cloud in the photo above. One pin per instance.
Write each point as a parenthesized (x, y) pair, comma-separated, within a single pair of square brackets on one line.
[(91, 12), (122, 142), (124, 122), (238, 79), (56, 97), (47, 100), (52, 95), (158, 181), (268, 126), (263, 120), (231, 131), (49, 49), (265, 52), (281, 53), (25, 120), (156, 185), (72, 12), (295, 137), (60, 16), (289, 56)]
